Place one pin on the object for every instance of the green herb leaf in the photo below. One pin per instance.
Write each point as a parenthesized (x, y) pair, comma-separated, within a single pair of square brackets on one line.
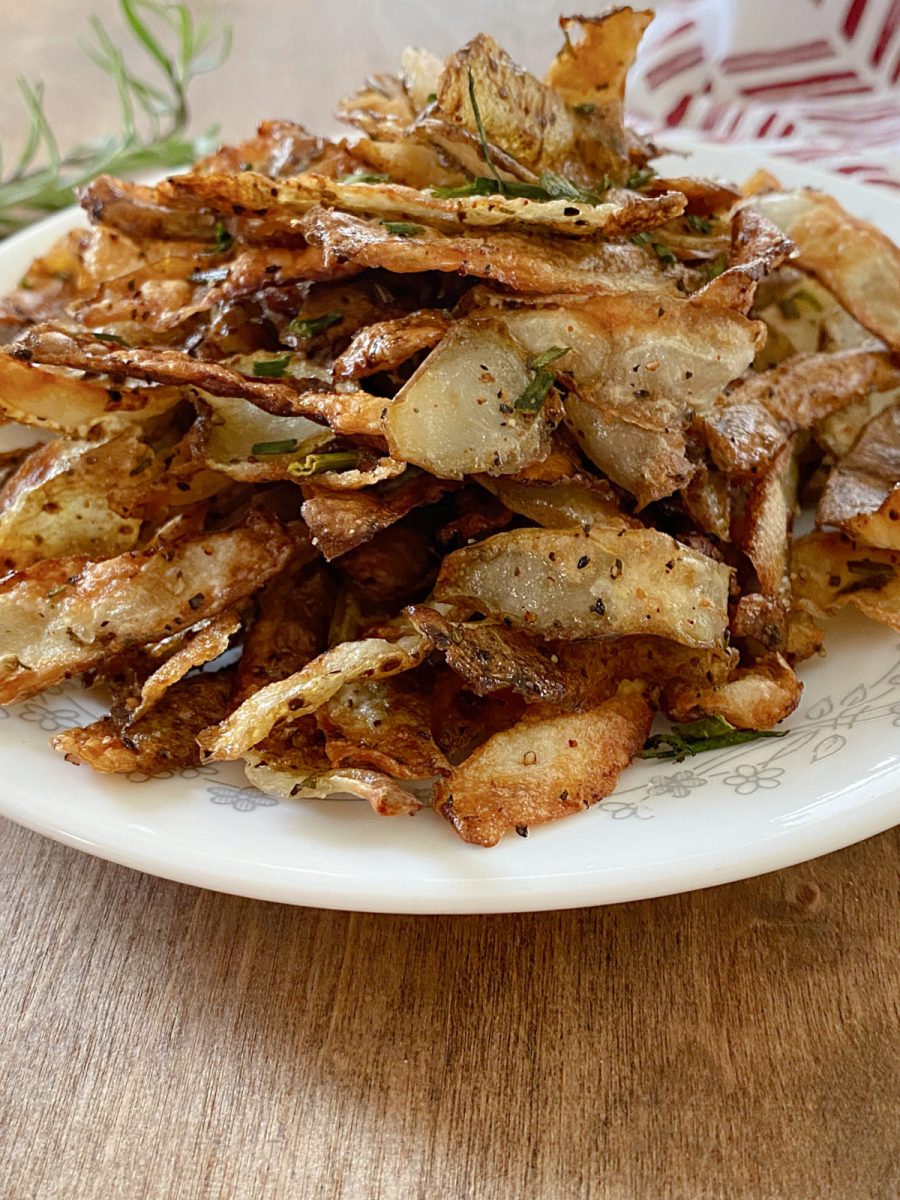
[(154, 113), (288, 446), (109, 337), (479, 124), (364, 177), (431, 98), (532, 398), (551, 187), (271, 368), (480, 185), (714, 268), (806, 297), (660, 249), (548, 356), (224, 240), (309, 327), (696, 737), (790, 305), (585, 108), (403, 228), (558, 187), (698, 224), (318, 464), (638, 179)]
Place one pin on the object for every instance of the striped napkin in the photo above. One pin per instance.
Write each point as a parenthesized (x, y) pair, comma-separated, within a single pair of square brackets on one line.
[(814, 80)]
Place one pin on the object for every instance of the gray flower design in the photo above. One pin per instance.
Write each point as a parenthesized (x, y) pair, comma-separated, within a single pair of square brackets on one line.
[(747, 778), (51, 720), (680, 784), (205, 771), (240, 799), (621, 810)]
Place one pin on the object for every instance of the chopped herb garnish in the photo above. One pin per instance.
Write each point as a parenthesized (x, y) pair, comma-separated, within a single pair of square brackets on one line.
[(714, 268), (479, 185), (479, 124), (558, 187), (403, 228), (638, 179), (808, 298), (660, 249), (271, 368), (549, 356), (585, 108), (532, 398), (431, 98), (364, 177), (698, 224), (695, 737), (224, 240), (318, 464), (288, 446), (551, 187), (211, 275), (790, 305), (110, 337), (311, 326)]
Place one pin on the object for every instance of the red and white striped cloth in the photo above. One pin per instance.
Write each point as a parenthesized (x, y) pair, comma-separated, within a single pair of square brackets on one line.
[(815, 80)]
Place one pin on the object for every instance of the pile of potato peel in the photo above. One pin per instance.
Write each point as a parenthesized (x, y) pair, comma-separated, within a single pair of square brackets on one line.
[(452, 451)]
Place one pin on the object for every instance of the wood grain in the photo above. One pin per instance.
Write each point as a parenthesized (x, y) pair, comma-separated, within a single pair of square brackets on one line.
[(158, 1042)]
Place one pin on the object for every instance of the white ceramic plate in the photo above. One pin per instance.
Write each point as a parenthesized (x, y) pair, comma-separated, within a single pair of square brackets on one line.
[(834, 780)]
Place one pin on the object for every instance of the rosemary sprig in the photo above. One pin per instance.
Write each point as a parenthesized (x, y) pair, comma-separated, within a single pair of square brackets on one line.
[(287, 446), (660, 249), (318, 464), (695, 737), (310, 327), (403, 228), (365, 177), (551, 186), (271, 368), (535, 393), (154, 112)]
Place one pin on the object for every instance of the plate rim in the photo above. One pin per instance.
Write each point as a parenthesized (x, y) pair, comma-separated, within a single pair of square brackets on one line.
[(444, 895)]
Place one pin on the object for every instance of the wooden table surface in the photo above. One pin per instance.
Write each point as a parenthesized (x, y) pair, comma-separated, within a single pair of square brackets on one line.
[(158, 1041)]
